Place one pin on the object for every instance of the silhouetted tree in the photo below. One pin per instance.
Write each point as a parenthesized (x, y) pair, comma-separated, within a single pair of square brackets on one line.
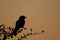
[(14, 31)]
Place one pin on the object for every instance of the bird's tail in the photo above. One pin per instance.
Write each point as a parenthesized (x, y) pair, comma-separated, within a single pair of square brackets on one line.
[(15, 32)]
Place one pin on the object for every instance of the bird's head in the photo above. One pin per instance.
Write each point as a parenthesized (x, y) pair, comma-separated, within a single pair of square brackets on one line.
[(22, 17)]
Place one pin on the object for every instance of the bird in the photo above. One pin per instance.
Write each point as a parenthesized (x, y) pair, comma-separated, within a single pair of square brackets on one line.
[(19, 24)]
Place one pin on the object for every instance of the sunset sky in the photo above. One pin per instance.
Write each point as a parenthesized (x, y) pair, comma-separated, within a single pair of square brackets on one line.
[(41, 15)]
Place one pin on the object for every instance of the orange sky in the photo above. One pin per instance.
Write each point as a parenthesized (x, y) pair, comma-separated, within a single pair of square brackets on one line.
[(41, 15)]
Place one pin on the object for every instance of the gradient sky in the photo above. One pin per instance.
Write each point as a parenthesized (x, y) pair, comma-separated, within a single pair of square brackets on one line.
[(41, 15)]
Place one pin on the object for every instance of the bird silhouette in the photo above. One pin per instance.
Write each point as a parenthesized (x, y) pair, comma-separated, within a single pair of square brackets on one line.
[(19, 24)]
